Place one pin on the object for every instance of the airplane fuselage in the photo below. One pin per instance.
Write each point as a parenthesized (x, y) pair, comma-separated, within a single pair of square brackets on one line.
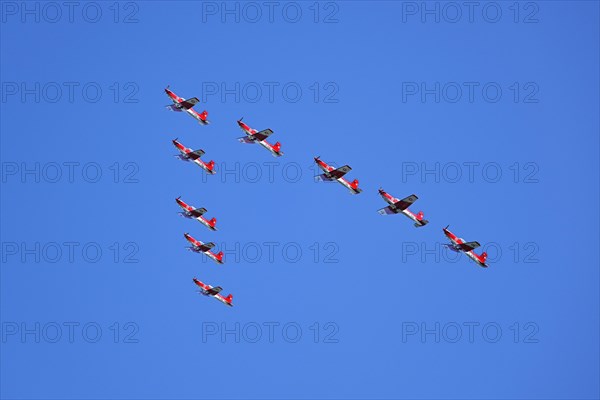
[(200, 219), (208, 253), (198, 247), (455, 241), (250, 134), (197, 161), (414, 218), (185, 156), (222, 300), (391, 200), (205, 290), (204, 222), (327, 168), (347, 185), (269, 147), (204, 166), (177, 102), (197, 116)]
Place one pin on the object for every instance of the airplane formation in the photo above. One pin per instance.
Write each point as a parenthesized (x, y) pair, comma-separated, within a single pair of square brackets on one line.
[(330, 174)]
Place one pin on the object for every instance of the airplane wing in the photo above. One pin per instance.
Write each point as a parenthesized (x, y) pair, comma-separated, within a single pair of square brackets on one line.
[(246, 139), (324, 178), (196, 212), (262, 135), (213, 291), (189, 103), (468, 246), (405, 202), (173, 107), (194, 155), (339, 172), (387, 211), (206, 247)]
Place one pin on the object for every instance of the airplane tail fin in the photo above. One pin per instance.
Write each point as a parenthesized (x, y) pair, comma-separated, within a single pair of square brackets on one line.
[(277, 147), (210, 165), (354, 184), (204, 115), (229, 298), (419, 216), (219, 256), (483, 257), (212, 222)]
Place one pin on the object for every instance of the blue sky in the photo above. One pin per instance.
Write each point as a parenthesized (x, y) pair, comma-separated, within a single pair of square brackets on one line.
[(489, 115)]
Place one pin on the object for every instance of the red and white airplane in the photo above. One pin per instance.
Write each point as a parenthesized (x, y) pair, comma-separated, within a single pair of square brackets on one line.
[(208, 290), (199, 247), (196, 213), (254, 136), (332, 174), (181, 104), (460, 246), (401, 206), (189, 155)]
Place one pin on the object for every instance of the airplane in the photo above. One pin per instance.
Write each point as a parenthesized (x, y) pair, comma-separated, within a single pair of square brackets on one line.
[(199, 247), (401, 206), (333, 174), (181, 104), (208, 290), (189, 155), (254, 136), (196, 213), (459, 245)]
